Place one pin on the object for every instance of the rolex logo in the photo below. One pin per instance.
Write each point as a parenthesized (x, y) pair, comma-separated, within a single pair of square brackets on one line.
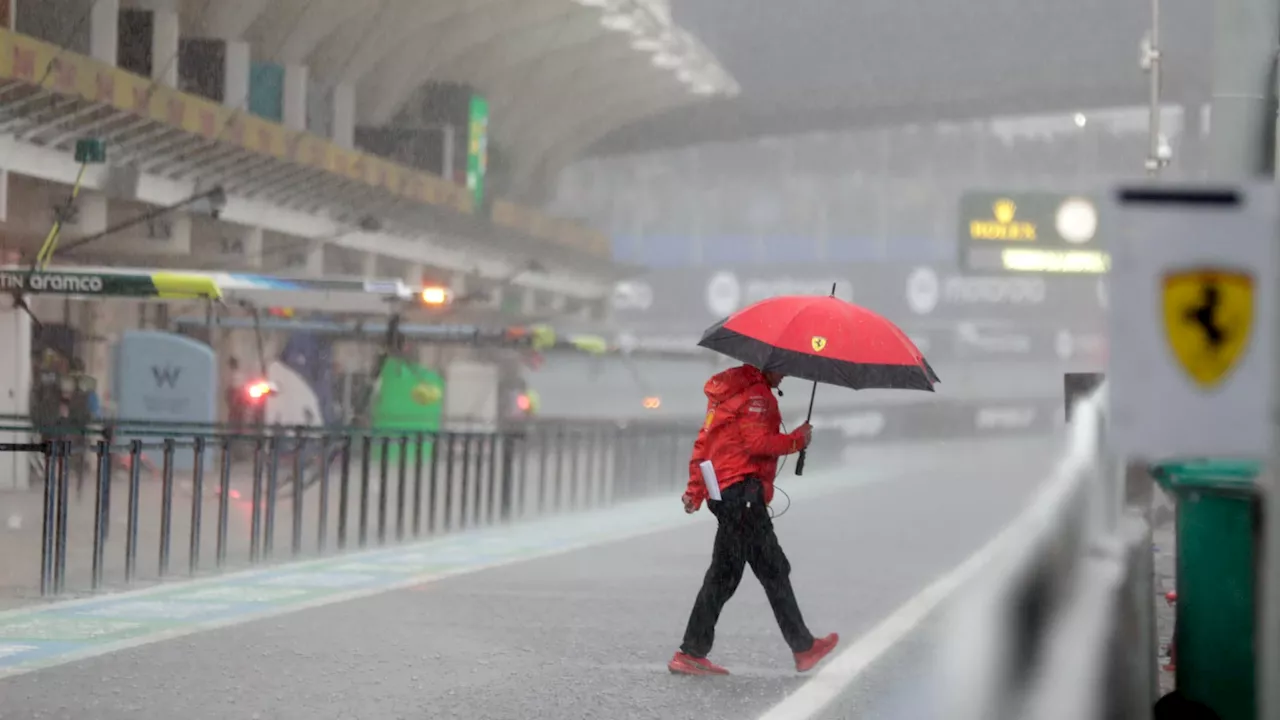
[(1004, 210)]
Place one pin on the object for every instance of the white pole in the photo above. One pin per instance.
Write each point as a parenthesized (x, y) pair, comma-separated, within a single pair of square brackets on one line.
[(1151, 63)]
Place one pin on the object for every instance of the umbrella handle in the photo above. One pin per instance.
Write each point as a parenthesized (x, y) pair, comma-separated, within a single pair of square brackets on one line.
[(812, 395)]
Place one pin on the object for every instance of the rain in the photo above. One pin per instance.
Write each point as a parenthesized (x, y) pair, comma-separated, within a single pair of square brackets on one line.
[(459, 358)]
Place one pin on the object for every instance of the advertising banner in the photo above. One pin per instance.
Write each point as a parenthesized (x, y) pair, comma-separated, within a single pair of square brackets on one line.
[(925, 422), (950, 314), (1031, 232), (698, 297), (477, 147)]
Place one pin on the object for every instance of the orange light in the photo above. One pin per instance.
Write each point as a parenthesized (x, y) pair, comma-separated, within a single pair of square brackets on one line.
[(434, 296), (652, 403), (524, 403), (259, 389)]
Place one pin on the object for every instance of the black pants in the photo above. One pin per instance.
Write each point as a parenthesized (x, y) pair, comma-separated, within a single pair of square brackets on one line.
[(745, 536)]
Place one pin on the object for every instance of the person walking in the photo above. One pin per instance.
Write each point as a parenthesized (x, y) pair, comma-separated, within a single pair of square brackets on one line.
[(741, 439)]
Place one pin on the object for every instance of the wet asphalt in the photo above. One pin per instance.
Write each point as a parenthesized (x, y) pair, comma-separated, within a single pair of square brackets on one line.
[(585, 634)]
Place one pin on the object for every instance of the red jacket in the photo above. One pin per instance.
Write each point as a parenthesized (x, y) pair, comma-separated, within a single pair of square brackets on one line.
[(740, 435)]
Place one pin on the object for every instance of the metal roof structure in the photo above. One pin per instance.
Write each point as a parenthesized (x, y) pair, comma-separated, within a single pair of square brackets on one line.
[(558, 74), (814, 66)]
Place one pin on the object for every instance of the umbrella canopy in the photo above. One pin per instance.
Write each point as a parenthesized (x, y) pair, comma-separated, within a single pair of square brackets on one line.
[(823, 339)]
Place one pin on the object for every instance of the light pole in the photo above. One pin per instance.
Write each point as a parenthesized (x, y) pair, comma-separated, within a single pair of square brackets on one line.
[(1158, 154)]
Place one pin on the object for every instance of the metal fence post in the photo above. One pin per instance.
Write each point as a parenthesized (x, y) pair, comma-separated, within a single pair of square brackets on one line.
[(465, 493), (60, 568), (616, 462), (491, 480), (401, 485), (434, 481), (365, 452), (273, 486), (573, 446), (417, 484), (594, 476), (383, 489), (78, 451), (108, 435), (448, 481), (544, 451), (299, 487), (322, 522), (224, 492), (255, 513), (506, 480), (135, 490), (344, 491), (197, 506), (166, 506), (49, 521), (100, 517)]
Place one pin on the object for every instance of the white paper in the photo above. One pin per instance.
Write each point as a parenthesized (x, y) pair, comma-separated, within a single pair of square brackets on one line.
[(709, 479)]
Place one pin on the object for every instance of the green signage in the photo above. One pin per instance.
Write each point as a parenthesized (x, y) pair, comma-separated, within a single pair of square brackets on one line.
[(91, 151), (1030, 232), (477, 148), (410, 399)]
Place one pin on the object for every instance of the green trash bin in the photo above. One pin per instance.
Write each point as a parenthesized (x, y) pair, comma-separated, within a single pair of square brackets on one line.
[(1218, 533)]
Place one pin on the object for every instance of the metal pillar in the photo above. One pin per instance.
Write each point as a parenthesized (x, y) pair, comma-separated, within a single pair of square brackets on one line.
[(1151, 62), (1243, 116), (1242, 145)]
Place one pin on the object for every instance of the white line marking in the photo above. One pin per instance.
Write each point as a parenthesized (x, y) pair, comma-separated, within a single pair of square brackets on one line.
[(842, 670), (111, 647)]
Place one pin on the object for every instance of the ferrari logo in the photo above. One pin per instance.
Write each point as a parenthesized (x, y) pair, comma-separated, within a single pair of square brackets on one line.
[(819, 343), (1208, 317)]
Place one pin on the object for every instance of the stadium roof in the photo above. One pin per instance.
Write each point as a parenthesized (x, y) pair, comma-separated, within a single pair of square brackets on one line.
[(828, 64), (559, 74)]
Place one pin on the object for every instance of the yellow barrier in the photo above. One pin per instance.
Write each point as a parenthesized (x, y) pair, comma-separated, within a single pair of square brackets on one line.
[(28, 60)]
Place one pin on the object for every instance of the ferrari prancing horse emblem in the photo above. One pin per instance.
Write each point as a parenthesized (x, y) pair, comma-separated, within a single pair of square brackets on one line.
[(819, 343), (1208, 320)]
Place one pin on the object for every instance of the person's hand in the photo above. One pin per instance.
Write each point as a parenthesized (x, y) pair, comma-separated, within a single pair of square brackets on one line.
[(804, 434), (691, 504)]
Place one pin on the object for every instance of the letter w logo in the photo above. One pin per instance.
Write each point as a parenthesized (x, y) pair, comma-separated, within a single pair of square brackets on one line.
[(167, 375)]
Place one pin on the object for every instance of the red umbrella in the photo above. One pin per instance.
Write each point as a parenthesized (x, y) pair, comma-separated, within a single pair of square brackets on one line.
[(823, 339)]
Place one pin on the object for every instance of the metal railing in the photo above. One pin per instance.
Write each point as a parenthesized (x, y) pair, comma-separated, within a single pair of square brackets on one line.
[(318, 490), (1060, 623)]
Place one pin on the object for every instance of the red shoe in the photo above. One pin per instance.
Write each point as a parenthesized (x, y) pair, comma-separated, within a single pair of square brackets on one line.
[(814, 655), (683, 664)]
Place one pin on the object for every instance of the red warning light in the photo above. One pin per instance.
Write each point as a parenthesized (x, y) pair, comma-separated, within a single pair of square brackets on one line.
[(524, 403), (259, 389)]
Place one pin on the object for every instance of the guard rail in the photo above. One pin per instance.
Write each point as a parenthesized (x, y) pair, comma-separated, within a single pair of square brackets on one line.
[(1060, 622)]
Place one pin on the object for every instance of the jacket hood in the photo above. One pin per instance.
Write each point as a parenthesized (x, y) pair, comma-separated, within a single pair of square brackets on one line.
[(725, 385)]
